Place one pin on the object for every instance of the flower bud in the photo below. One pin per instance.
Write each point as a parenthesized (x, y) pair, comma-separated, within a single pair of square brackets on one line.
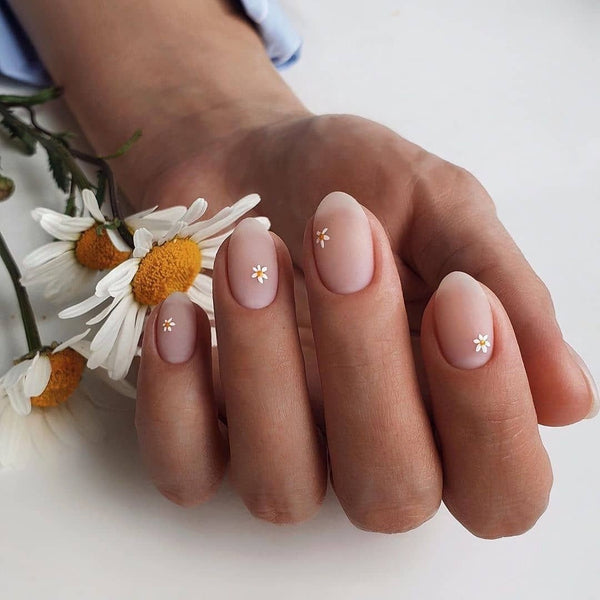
[(7, 187)]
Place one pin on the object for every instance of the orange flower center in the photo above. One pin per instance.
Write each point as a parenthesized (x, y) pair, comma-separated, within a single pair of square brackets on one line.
[(171, 267), (67, 368), (95, 250)]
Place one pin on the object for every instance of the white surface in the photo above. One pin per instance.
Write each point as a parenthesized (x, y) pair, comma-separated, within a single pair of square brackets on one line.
[(509, 90)]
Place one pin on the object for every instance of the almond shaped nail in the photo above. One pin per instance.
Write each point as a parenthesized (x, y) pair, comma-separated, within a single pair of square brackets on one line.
[(343, 244), (176, 329), (252, 264), (463, 321)]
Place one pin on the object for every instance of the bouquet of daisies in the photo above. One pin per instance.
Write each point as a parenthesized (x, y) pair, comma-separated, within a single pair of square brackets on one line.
[(129, 265)]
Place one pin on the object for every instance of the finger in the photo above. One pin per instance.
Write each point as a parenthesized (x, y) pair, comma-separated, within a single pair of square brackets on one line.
[(277, 461), (385, 467), (176, 417), (463, 233), (497, 476)]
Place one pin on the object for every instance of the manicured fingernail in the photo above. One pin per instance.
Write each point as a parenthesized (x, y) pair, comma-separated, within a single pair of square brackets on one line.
[(595, 406), (463, 321), (252, 264), (343, 244), (176, 329)]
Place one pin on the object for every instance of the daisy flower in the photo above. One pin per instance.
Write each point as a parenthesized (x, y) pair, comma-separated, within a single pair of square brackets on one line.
[(84, 245), (161, 263), (43, 403), (481, 343)]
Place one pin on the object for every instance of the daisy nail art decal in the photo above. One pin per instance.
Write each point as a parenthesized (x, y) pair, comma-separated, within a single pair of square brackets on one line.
[(481, 343), (322, 237), (260, 273), (168, 324)]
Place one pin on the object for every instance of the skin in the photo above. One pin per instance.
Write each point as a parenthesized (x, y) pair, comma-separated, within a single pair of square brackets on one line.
[(219, 122)]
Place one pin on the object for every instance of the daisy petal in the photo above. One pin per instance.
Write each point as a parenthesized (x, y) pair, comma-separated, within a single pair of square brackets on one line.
[(85, 417), (71, 341), (117, 241), (142, 240), (37, 377), (81, 308), (45, 253), (63, 425), (15, 441), (21, 403), (90, 202)]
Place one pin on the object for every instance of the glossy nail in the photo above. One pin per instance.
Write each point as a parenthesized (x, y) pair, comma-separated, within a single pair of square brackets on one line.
[(463, 321), (176, 329), (343, 244), (595, 406), (252, 264)]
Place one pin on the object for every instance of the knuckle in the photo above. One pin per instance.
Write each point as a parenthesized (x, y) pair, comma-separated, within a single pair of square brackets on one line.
[(399, 516), (280, 509), (187, 493), (512, 518)]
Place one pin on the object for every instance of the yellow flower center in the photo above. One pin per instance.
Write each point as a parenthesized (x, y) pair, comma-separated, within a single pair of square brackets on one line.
[(171, 267), (96, 251), (67, 368)]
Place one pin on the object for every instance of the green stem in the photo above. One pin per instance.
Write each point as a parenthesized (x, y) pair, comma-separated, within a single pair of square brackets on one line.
[(29, 324)]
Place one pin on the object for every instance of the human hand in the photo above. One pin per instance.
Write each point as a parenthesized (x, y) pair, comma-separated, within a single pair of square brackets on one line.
[(365, 372)]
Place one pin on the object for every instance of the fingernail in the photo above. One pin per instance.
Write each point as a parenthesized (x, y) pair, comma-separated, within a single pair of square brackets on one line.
[(252, 264), (463, 321), (595, 407), (176, 329), (343, 244)]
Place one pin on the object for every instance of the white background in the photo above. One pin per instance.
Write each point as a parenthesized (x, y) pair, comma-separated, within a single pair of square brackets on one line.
[(509, 90)]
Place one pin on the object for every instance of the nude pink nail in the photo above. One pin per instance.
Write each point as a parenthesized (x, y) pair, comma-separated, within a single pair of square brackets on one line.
[(593, 388), (343, 244), (176, 329), (463, 321), (252, 264)]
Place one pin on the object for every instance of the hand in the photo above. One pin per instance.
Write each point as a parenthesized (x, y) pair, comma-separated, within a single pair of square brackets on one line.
[(366, 371)]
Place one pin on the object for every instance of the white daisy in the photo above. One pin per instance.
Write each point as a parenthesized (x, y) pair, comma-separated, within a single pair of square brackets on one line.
[(160, 265), (260, 273), (44, 404), (481, 343), (322, 237), (84, 246), (168, 324)]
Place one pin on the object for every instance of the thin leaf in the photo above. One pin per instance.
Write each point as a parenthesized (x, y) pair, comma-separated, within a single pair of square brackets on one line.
[(40, 97), (20, 132), (101, 187), (137, 134)]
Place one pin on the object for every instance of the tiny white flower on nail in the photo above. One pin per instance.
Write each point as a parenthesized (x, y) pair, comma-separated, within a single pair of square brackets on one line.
[(168, 324), (481, 343), (322, 237), (260, 273)]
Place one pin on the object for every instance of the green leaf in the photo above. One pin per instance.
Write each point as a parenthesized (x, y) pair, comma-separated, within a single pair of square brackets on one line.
[(40, 97), (58, 165), (19, 131), (137, 134)]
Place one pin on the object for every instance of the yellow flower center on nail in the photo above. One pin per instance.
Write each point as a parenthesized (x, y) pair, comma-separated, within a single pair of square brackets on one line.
[(171, 267), (67, 368), (95, 250)]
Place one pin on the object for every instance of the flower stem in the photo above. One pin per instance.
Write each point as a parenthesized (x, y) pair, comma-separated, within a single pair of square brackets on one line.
[(32, 334)]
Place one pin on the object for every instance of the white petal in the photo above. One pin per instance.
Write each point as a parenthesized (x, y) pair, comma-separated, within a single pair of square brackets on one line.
[(38, 376), (195, 211), (117, 241), (85, 416), (121, 386), (15, 439), (50, 270), (45, 253), (224, 218), (478, 349), (106, 311), (71, 341), (484, 349), (42, 437), (70, 230), (21, 403), (75, 279), (82, 347), (63, 425), (124, 349), (204, 283), (142, 240), (104, 339), (16, 373), (484, 338), (81, 308), (90, 202), (118, 278)]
